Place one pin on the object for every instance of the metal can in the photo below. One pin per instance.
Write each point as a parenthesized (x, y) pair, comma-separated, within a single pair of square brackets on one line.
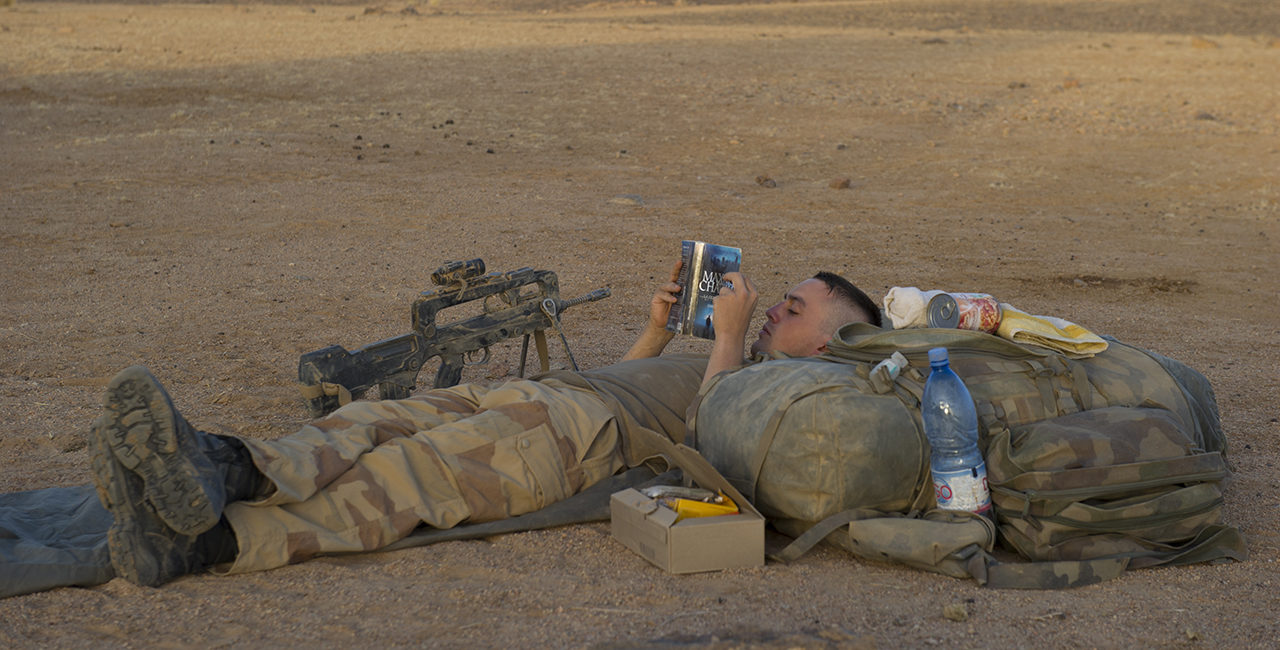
[(966, 311)]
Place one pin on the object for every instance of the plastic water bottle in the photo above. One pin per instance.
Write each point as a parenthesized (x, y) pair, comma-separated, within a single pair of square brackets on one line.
[(951, 424)]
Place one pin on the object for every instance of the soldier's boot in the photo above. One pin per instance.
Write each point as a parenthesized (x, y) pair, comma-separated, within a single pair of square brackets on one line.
[(234, 465), (187, 476), (144, 549)]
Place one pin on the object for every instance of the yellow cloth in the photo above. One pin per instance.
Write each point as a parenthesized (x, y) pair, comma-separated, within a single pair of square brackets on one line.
[(1062, 336)]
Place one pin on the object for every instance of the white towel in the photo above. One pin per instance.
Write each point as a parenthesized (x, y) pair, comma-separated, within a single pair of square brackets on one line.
[(907, 306)]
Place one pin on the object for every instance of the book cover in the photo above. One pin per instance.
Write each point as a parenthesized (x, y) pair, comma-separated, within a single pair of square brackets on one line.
[(700, 279)]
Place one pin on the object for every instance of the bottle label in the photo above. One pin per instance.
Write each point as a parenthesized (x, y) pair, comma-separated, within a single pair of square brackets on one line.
[(963, 490)]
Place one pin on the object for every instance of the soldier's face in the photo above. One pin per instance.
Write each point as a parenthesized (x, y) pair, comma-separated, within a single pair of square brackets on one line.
[(801, 324)]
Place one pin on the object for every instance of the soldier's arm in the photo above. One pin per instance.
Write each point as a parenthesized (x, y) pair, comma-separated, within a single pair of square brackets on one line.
[(655, 336), (733, 309)]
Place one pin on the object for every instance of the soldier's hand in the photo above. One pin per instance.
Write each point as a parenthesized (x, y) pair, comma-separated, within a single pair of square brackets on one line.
[(731, 316), (733, 308), (660, 306)]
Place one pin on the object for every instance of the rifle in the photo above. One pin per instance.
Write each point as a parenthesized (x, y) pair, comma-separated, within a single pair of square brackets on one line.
[(529, 304)]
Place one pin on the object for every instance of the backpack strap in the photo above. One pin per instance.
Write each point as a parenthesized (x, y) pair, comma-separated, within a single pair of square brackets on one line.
[(810, 538), (694, 466), (890, 536), (948, 542), (1055, 372), (771, 430), (1052, 575), (866, 342), (592, 504), (1214, 543), (1083, 482)]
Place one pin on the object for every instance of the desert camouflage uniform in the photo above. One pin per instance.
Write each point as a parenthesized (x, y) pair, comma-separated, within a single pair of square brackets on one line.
[(369, 473)]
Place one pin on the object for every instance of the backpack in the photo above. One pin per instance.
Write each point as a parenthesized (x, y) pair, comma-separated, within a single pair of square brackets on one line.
[(1095, 465)]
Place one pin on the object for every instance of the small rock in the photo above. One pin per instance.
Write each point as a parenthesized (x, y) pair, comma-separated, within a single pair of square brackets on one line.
[(956, 612), (765, 181), (69, 443), (933, 41), (840, 184), (627, 199), (1203, 115)]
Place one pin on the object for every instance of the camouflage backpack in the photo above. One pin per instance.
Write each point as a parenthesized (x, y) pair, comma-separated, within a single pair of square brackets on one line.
[(1095, 465)]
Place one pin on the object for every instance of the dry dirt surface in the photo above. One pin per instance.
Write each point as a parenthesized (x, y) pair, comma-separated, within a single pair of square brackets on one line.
[(214, 189)]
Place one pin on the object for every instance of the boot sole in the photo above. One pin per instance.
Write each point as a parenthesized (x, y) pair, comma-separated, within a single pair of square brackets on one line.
[(140, 432), (129, 556)]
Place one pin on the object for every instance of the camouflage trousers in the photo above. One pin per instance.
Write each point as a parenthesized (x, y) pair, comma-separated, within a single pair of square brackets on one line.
[(369, 473)]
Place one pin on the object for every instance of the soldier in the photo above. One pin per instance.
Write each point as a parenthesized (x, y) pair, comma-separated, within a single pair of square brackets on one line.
[(369, 473)]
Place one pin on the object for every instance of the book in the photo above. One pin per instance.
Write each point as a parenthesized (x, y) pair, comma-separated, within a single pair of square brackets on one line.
[(700, 278)]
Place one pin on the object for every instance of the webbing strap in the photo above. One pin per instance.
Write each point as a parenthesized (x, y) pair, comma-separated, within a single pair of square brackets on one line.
[(909, 388), (1081, 389), (771, 431), (810, 538), (695, 467), (952, 543), (1212, 543), (316, 391), (1042, 375), (591, 504), (1053, 575), (1084, 481)]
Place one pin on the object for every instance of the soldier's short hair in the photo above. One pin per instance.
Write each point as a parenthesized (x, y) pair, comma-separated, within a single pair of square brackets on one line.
[(851, 295)]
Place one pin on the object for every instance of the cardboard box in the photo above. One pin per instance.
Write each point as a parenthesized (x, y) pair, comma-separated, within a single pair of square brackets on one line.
[(694, 544)]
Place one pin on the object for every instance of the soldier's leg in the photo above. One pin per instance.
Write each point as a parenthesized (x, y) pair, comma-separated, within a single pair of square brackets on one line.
[(186, 476), (301, 463), (526, 445), (164, 482)]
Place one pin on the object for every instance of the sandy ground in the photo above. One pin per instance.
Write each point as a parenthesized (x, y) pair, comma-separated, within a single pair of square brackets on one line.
[(214, 189)]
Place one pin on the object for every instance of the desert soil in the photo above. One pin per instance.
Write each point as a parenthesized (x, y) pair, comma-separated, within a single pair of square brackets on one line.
[(214, 189)]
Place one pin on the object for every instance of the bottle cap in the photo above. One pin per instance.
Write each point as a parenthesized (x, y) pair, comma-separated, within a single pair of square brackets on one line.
[(937, 355)]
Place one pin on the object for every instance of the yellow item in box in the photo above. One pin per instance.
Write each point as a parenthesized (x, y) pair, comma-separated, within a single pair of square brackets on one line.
[(686, 508)]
